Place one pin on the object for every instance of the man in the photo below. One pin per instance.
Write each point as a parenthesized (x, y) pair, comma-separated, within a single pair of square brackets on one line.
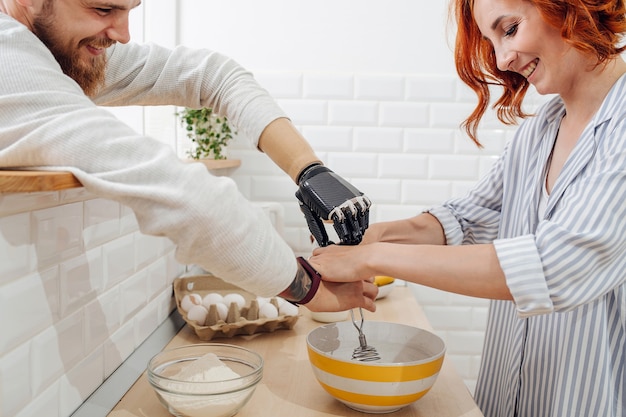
[(62, 59)]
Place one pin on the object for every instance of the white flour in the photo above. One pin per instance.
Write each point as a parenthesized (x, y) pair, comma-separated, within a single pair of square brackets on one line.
[(213, 371)]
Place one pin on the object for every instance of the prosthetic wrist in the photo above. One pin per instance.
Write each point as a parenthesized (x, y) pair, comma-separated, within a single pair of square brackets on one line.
[(305, 170)]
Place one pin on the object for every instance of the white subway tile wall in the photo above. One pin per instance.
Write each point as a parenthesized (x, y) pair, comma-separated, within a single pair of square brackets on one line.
[(80, 289)]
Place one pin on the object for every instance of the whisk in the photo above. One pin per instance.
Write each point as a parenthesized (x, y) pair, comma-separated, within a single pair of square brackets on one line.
[(363, 353)]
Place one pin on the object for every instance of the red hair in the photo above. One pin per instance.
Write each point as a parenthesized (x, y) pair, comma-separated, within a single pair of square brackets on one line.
[(591, 26)]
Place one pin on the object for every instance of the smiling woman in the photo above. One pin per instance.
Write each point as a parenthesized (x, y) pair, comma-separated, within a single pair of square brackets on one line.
[(541, 235), (480, 60)]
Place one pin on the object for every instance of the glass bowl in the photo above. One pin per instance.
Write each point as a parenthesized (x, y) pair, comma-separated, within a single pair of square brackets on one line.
[(190, 382)]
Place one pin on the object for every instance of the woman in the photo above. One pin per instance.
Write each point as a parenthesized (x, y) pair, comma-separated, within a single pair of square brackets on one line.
[(542, 235)]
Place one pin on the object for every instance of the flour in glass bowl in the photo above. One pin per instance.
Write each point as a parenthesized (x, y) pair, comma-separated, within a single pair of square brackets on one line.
[(212, 369)]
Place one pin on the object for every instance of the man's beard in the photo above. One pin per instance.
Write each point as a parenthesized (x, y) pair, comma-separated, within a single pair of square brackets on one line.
[(89, 76)]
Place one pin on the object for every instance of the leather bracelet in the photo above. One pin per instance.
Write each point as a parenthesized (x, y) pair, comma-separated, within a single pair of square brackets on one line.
[(316, 278)]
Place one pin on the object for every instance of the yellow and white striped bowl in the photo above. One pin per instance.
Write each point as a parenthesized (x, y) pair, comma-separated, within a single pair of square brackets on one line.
[(410, 362)]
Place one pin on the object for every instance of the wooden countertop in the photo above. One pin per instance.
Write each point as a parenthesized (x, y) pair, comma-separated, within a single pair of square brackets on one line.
[(289, 388), (12, 181)]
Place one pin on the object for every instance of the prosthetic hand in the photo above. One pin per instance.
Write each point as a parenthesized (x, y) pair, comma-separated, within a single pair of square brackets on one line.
[(324, 195)]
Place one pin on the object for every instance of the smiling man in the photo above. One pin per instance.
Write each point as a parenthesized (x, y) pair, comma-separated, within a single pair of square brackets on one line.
[(83, 59), (63, 59)]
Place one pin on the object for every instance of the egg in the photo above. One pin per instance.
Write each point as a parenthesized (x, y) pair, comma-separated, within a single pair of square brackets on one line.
[(212, 298), (262, 301), (189, 300), (222, 311), (234, 298), (198, 313), (268, 311), (287, 309)]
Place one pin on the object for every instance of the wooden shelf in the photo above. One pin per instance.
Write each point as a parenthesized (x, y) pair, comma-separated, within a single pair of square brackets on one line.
[(34, 181)]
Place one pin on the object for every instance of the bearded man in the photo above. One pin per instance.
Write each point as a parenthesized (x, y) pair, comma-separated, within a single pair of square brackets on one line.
[(64, 59)]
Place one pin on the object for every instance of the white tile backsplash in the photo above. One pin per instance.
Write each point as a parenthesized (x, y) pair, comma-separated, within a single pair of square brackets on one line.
[(103, 316), (15, 389), (17, 257), (379, 87), (309, 112), (119, 260), (404, 114), (451, 167), (328, 86), (80, 381), (24, 202), (80, 280), (353, 113), (419, 142), (45, 404), (403, 166), (66, 261), (329, 138), (27, 306), (101, 222), (57, 233), (133, 294), (118, 347), (377, 139), (429, 88)]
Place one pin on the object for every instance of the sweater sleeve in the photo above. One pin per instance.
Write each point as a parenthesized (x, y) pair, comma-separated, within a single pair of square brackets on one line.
[(47, 122), (149, 74)]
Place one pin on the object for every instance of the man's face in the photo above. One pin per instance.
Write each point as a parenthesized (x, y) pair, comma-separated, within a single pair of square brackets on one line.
[(78, 33)]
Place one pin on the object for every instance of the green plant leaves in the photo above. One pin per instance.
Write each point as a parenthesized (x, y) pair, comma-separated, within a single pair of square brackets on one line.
[(209, 132)]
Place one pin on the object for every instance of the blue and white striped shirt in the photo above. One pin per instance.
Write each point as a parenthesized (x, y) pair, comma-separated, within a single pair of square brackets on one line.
[(559, 349)]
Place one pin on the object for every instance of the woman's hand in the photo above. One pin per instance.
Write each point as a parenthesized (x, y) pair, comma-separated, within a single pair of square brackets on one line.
[(341, 296), (340, 263)]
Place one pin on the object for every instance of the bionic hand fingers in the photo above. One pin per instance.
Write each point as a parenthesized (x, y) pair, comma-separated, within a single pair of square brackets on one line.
[(350, 219)]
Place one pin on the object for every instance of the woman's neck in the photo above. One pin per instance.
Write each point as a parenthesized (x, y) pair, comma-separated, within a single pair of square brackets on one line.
[(584, 102)]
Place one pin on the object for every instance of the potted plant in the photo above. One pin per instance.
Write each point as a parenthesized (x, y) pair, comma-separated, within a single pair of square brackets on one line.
[(209, 132)]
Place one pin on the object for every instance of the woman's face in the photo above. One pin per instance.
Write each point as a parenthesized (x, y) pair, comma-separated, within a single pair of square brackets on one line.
[(524, 43)]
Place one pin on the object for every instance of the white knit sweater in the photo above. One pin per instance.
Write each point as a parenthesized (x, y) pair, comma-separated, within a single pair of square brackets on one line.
[(46, 122)]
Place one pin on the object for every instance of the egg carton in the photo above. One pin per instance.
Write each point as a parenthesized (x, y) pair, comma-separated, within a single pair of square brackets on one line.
[(239, 321)]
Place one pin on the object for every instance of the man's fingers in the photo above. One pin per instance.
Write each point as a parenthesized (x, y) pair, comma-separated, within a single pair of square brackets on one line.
[(370, 290)]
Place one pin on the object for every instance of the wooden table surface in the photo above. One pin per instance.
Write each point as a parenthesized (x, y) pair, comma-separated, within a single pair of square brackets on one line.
[(289, 388)]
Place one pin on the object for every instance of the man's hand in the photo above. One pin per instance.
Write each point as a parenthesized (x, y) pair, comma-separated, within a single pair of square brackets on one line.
[(308, 288), (324, 195), (341, 296)]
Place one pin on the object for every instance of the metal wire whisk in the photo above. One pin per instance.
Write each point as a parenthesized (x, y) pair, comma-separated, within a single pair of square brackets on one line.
[(363, 353)]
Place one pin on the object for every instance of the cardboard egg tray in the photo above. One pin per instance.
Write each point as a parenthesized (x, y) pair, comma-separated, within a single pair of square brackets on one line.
[(244, 321)]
